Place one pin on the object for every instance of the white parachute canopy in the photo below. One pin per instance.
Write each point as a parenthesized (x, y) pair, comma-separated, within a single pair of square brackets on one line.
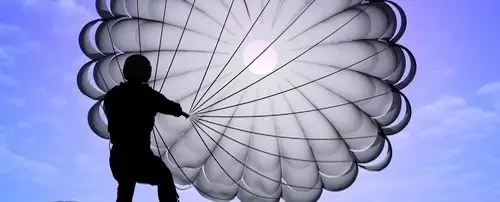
[(287, 97)]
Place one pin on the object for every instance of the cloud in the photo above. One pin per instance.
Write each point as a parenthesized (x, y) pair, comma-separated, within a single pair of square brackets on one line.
[(58, 101), (442, 71), (73, 7), (29, 2), (13, 163), (67, 10), (9, 29), (6, 80), (19, 102), (62, 7), (86, 164), (401, 140), (70, 76), (28, 47), (443, 157), (8, 53), (492, 92), (54, 122), (42, 122), (23, 124), (6, 59), (450, 153), (453, 115), (490, 88)]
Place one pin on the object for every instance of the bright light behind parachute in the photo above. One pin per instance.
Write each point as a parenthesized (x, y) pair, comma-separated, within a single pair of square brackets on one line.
[(318, 104), (265, 63)]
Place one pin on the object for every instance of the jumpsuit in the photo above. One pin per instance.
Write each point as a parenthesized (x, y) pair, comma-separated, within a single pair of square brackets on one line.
[(131, 109)]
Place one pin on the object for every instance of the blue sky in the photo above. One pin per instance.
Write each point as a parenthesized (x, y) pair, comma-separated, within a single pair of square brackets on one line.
[(449, 152)]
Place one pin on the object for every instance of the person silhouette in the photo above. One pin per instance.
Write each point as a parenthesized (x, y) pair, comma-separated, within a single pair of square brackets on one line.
[(130, 108)]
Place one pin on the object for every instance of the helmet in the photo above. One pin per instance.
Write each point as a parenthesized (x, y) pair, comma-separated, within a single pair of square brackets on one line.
[(137, 68)]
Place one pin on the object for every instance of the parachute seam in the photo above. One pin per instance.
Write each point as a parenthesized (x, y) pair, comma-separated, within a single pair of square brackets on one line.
[(234, 17), (277, 13)]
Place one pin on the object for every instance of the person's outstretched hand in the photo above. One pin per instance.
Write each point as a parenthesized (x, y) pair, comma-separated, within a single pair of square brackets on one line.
[(185, 115)]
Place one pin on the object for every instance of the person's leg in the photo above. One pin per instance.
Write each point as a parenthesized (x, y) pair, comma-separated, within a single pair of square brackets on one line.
[(155, 172), (125, 191), (123, 173), (166, 188), (162, 177)]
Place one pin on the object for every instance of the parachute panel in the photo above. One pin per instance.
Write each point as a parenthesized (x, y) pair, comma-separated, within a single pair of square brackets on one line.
[(84, 84), (366, 21)]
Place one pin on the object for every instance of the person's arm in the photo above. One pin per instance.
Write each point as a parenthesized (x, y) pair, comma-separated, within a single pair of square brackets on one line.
[(166, 106), (109, 97)]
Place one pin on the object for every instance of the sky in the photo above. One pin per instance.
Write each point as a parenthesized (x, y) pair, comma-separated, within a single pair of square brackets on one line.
[(448, 153)]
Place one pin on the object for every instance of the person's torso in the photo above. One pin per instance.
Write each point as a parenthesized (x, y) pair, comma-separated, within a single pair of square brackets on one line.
[(130, 115)]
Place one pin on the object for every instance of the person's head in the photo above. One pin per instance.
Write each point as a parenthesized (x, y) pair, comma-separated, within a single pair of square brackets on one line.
[(137, 69)]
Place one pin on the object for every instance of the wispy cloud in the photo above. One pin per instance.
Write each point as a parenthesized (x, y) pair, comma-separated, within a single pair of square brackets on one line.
[(28, 47), (67, 16), (58, 101), (47, 121), (72, 7), (450, 153), (442, 71), (491, 91), (16, 101), (490, 88), (62, 6), (9, 54), (435, 165), (55, 122), (401, 140), (448, 130), (6, 80), (70, 76), (6, 59), (453, 115), (9, 29), (15, 163)]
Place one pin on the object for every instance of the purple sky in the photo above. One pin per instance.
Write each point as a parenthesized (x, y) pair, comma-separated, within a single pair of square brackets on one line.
[(449, 152)]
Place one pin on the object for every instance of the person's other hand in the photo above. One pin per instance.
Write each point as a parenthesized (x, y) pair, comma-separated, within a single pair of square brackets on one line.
[(185, 115)]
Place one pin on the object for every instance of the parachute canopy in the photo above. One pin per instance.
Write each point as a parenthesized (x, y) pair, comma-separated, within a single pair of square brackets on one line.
[(287, 97)]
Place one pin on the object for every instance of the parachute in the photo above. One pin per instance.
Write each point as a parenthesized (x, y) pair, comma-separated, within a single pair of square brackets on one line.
[(287, 98)]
